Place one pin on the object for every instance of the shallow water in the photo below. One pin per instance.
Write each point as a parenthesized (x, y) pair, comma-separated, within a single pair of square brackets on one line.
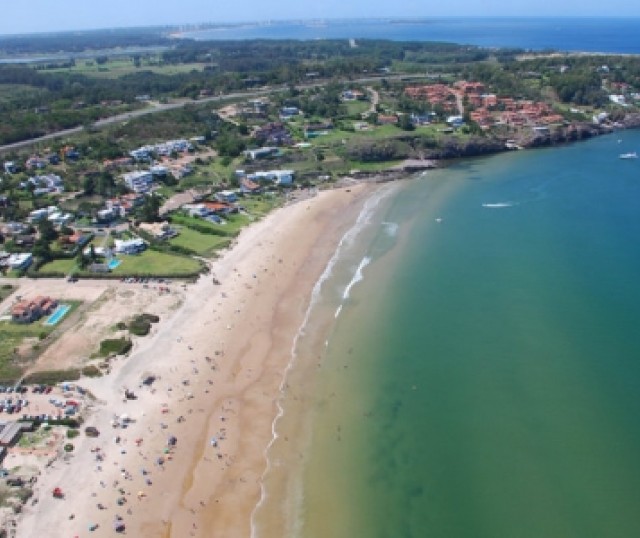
[(481, 378)]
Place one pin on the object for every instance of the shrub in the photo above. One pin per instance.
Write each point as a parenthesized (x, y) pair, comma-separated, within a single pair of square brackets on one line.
[(91, 371), (71, 433), (139, 327), (115, 346), (141, 324), (151, 318), (68, 447)]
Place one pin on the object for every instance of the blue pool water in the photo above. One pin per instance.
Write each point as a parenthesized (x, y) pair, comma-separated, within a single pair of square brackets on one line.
[(113, 263), (58, 314)]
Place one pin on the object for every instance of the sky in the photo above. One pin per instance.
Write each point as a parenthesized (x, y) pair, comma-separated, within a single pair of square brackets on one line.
[(28, 16)]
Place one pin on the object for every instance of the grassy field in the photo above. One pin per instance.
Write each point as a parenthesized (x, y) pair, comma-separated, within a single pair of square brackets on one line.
[(151, 262), (203, 244), (117, 67), (357, 107), (148, 263)]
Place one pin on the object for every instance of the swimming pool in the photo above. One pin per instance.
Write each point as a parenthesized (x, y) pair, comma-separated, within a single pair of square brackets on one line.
[(58, 314), (113, 263)]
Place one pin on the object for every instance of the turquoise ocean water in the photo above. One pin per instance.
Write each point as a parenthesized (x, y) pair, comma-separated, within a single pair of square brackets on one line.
[(471, 364)]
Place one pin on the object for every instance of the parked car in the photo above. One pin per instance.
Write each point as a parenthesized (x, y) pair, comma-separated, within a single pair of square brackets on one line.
[(91, 431)]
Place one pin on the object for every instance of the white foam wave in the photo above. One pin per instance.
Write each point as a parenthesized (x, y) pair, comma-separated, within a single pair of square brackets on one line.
[(357, 277), (391, 228), (346, 241)]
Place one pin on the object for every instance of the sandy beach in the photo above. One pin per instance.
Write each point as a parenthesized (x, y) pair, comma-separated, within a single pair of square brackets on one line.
[(190, 457)]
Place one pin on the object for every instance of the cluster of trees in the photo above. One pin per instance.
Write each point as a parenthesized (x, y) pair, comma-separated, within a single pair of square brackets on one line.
[(83, 41)]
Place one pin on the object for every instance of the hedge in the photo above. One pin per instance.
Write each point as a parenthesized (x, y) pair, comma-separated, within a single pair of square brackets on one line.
[(51, 377)]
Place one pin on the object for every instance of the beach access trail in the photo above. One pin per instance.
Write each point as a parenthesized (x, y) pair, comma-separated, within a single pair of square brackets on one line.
[(192, 453)]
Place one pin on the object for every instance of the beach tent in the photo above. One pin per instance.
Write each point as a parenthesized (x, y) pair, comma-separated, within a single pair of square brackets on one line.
[(118, 524)]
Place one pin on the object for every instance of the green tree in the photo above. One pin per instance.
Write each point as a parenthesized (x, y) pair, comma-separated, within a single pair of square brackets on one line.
[(89, 186), (405, 123), (150, 210), (46, 230), (42, 250), (81, 260)]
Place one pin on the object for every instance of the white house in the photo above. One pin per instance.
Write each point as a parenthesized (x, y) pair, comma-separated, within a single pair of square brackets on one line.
[(20, 261), (599, 118), (159, 170), (618, 100), (226, 196), (10, 167), (38, 214), (196, 210), (129, 246), (287, 112), (260, 153), (107, 215), (139, 180), (279, 177), (59, 218)]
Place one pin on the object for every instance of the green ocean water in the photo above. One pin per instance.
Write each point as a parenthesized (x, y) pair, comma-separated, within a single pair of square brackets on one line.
[(481, 379)]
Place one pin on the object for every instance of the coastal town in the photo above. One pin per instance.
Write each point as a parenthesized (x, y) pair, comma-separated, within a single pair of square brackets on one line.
[(121, 242)]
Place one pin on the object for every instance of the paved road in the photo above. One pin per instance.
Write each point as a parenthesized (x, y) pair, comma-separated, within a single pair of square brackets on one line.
[(183, 102)]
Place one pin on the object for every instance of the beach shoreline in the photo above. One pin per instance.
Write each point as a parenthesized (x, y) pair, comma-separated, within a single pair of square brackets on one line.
[(219, 362)]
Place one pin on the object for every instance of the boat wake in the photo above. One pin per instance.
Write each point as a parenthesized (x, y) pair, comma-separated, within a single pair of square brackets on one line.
[(499, 205)]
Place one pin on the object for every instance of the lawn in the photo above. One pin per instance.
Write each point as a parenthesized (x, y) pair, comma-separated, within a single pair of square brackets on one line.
[(202, 244), (195, 222), (259, 206), (65, 266), (151, 262)]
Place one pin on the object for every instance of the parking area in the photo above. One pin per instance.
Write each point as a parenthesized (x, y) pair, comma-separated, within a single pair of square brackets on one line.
[(42, 402)]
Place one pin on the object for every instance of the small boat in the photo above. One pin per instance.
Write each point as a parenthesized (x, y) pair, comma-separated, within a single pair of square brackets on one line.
[(630, 155)]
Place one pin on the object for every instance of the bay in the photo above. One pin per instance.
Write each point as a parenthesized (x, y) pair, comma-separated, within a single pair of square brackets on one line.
[(589, 34)]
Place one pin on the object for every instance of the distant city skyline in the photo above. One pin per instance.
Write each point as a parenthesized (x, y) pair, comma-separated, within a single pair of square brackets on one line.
[(36, 16)]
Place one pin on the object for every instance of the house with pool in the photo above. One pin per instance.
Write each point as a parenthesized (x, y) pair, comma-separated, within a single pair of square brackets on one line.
[(30, 310)]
